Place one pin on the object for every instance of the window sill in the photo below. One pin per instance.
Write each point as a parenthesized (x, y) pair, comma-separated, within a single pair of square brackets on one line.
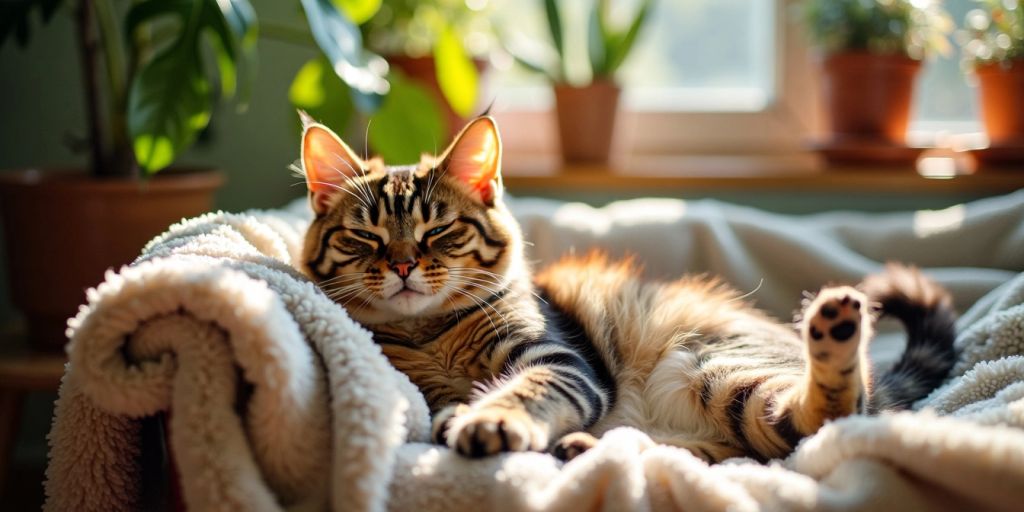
[(798, 173)]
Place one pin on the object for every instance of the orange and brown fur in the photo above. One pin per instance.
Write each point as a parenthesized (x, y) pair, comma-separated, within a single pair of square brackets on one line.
[(429, 258)]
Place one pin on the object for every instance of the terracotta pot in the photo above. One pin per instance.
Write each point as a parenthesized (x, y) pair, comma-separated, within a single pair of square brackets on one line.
[(64, 229), (1002, 102), (868, 96), (422, 70), (586, 121)]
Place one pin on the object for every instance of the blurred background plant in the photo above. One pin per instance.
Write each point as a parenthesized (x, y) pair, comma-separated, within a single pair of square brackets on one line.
[(915, 28), (436, 51), (992, 33), (608, 44), (158, 90)]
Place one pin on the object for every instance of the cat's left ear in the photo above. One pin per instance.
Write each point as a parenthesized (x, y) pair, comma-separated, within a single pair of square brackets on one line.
[(327, 162), (474, 159)]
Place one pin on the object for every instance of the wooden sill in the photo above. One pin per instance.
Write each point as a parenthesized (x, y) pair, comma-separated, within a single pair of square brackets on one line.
[(674, 174)]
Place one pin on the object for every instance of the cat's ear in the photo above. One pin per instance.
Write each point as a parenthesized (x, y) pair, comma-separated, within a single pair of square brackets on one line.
[(474, 159), (327, 163)]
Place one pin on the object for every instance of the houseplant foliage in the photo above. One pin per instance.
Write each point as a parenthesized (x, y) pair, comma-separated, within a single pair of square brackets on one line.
[(871, 52), (412, 115), (992, 47), (156, 90), (149, 90), (586, 106)]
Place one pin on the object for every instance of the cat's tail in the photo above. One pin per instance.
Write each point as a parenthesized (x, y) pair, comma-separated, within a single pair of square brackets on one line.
[(926, 311)]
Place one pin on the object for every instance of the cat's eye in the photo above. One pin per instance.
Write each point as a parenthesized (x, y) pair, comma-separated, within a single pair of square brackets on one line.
[(436, 231), (364, 234)]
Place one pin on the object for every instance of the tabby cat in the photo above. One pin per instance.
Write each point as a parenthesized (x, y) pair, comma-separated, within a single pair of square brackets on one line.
[(429, 258)]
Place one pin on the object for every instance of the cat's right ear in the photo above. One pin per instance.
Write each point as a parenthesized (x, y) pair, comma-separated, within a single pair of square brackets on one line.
[(327, 163)]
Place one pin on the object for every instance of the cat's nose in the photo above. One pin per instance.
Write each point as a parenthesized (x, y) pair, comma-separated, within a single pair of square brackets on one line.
[(403, 268)]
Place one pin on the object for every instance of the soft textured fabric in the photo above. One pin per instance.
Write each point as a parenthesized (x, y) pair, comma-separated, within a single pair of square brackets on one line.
[(215, 302)]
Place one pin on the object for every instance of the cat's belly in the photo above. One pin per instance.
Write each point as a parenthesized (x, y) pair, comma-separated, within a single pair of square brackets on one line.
[(666, 402)]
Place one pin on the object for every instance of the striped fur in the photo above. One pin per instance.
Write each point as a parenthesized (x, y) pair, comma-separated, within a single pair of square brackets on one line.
[(429, 258)]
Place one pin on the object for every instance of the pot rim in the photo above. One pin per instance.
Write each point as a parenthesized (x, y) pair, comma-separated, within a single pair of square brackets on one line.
[(893, 58), (1016, 66), (79, 180)]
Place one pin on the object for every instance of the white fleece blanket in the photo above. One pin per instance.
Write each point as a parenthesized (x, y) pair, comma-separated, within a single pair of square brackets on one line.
[(328, 424)]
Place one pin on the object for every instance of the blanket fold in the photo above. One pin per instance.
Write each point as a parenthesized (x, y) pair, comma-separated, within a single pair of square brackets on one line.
[(275, 399)]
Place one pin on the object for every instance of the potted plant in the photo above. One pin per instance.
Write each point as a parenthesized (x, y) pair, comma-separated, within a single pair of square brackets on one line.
[(586, 109), (992, 44), (871, 52), (64, 227)]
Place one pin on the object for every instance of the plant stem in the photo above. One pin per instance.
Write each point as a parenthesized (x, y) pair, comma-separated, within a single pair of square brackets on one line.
[(117, 81), (87, 46)]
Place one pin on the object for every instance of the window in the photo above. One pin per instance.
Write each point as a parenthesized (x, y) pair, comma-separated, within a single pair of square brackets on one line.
[(714, 85)]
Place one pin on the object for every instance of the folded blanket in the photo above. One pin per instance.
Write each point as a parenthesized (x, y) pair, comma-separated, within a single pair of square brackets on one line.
[(278, 400)]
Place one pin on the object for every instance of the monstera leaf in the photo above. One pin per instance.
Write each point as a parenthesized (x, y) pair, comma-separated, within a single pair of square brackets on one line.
[(340, 41), (170, 99)]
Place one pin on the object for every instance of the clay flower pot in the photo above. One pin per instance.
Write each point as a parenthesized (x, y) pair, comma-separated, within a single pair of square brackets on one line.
[(868, 96), (1002, 102), (65, 229), (586, 120)]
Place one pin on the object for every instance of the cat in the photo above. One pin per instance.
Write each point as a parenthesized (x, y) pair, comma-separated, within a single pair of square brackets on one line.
[(429, 259)]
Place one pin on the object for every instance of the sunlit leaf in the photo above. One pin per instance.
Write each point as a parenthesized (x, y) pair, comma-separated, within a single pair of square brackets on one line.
[(456, 73), (318, 91), (342, 43), (359, 11), (596, 43), (408, 124), (169, 103)]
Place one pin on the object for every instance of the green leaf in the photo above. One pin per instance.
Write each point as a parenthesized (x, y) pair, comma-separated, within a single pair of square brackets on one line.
[(150, 10), (15, 17), (596, 43), (555, 26), (342, 43), (318, 91), (359, 11), (169, 103), (456, 73), (622, 44), (233, 24), (408, 124)]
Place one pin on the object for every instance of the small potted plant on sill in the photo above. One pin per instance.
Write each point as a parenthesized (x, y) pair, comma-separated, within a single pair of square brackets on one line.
[(65, 227), (871, 52), (992, 49), (586, 109)]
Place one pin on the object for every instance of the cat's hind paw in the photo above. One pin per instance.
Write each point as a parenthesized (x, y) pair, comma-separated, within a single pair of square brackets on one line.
[(834, 325)]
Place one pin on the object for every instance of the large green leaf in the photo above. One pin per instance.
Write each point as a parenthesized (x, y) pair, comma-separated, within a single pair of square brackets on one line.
[(169, 103), (359, 11), (408, 124), (170, 100), (15, 17), (318, 91), (342, 43), (456, 73)]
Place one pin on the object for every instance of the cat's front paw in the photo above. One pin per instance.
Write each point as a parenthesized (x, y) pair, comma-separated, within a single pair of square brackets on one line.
[(491, 430)]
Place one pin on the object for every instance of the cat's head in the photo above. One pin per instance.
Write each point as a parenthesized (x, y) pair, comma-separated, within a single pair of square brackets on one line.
[(393, 242)]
